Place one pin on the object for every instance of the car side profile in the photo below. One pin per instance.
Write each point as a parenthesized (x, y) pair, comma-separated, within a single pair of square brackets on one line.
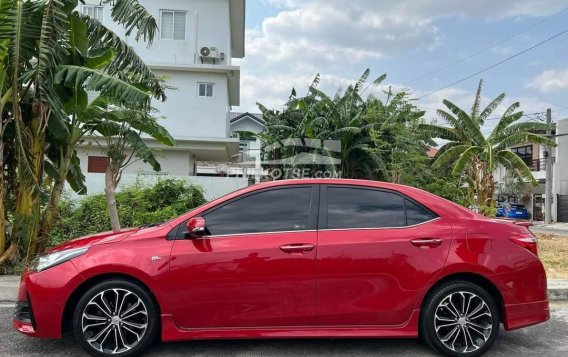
[(317, 258)]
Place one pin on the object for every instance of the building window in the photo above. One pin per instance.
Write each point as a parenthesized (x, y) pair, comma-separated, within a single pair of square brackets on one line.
[(93, 11), (172, 25), (525, 153), (205, 89), (98, 164)]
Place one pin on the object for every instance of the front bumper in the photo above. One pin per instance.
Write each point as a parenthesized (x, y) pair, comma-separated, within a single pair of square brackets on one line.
[(42, 298)]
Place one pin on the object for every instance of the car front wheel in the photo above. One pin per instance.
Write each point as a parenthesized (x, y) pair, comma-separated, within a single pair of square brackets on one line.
[(115, 318), (460, 319)]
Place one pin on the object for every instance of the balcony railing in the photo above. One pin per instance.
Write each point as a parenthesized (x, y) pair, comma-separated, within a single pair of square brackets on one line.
[(538, 164)]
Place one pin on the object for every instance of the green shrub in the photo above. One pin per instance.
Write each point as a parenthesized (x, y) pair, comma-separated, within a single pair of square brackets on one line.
[(138, 204)]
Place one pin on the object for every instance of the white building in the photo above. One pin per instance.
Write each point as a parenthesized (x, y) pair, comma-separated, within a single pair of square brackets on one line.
[(244, 127), (560, 185), (194, 49), (534, 157)]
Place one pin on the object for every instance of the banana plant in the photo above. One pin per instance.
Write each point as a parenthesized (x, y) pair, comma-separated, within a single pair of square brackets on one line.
[(478, 156), (119, 134), (53, 53)]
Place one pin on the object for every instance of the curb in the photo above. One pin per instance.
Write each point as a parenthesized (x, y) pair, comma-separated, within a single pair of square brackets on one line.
[(558, 290), (9, 286)]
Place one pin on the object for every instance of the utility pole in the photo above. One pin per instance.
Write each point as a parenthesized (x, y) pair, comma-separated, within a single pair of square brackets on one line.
[(549, 174)]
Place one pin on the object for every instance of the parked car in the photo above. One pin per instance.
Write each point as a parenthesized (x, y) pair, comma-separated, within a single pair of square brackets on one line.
[(518, 211), (512, 210), (501, 209), (293, 259)]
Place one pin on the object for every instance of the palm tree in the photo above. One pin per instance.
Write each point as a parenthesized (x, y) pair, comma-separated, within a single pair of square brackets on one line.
[(53, 56), (477, 156)]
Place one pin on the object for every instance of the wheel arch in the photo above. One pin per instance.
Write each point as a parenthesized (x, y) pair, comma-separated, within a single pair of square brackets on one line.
[(67, 317), (473, 278)]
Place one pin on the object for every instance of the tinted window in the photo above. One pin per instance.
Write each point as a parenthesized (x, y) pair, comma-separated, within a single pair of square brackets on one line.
[(285, 209), (416, 214), (361, 208)]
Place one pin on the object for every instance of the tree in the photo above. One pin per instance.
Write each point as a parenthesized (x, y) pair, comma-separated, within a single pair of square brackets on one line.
[(121, 141), (54, 54), (397, 140), (477, 156), (374, 134)]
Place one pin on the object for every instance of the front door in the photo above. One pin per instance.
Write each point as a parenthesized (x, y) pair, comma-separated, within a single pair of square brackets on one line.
[(257, 266), (376, 249)]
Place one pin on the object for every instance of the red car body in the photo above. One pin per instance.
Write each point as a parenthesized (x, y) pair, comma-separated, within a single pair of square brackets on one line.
[(306, 283)]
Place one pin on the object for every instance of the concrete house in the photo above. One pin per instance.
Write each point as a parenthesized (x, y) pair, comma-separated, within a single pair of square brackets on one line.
[(560, 183), (194, 49), (242, 126), (534, 156)]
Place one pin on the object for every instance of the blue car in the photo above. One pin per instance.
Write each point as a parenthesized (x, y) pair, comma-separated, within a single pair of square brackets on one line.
[(516, 211), (500, 210)]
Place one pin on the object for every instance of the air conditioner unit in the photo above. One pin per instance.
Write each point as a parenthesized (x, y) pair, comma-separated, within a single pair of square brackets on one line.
[(209, 52)]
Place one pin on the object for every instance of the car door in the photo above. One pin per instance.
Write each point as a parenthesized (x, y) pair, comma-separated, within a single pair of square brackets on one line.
[(376, 249), (256, 268)]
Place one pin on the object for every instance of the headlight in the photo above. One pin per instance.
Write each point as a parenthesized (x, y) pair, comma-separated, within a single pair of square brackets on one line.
[(47, 261)]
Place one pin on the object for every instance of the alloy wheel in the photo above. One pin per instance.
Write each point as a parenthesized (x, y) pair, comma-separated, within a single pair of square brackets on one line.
[(114, 321), (463, 322)]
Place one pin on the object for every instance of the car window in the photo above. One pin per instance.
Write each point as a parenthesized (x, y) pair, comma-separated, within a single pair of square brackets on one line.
[(363, 208), (276, 210), (416, 214)]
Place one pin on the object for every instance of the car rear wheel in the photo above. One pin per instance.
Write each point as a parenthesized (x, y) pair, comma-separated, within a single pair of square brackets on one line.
[(459, 319), (115, 318)]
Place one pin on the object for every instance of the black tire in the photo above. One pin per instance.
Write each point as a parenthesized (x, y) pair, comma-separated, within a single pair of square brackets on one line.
[(441, 315), (126, 337)]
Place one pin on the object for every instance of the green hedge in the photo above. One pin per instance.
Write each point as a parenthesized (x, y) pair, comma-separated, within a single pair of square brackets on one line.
[(138, 204)]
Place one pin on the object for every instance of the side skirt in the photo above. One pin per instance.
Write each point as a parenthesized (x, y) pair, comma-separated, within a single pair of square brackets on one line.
[(170, 332)]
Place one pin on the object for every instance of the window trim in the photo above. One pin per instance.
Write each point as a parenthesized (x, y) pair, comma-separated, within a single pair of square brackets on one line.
[(180, 233), (527, 158), (91, 165), (199, 84), (173, 25), (322, 221), (94, 7)]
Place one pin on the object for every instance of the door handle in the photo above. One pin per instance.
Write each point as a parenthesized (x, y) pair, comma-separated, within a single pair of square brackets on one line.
[(297, 248), (427, 242)]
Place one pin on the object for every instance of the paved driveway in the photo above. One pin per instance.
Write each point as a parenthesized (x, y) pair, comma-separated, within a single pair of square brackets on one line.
[(550, 339)]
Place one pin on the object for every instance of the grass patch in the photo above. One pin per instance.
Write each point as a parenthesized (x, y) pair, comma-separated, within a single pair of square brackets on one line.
[(553, 252)]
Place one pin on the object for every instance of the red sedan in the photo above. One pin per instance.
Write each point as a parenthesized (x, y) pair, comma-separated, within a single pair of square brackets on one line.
[(293, 259)]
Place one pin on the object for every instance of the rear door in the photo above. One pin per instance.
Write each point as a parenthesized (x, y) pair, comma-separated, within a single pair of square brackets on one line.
[(376, 249), (257, 266)]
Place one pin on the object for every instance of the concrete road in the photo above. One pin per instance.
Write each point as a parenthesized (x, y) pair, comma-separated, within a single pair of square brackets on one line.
[(549, 339)]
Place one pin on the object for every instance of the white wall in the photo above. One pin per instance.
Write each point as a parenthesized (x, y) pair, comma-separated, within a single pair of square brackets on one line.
[(207, 24), (213, 187), (172, 162), (560, 183), (188, 115)]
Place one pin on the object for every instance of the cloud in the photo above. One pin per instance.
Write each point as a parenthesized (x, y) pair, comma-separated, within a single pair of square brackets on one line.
[(339, 38), (550, 81)]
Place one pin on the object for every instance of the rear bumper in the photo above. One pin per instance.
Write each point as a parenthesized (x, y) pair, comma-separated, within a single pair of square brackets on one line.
[(523, 315)]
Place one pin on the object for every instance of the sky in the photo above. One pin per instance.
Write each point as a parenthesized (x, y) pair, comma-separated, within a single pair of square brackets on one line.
[(288, 42)]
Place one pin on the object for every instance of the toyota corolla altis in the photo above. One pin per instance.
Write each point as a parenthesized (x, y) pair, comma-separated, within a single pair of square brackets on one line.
[(293, 259)]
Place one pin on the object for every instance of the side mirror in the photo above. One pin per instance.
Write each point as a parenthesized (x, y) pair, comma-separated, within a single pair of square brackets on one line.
[(196, 227)]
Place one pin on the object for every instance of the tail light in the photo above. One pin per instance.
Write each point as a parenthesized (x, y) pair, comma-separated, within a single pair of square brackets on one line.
[(527, 241)]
